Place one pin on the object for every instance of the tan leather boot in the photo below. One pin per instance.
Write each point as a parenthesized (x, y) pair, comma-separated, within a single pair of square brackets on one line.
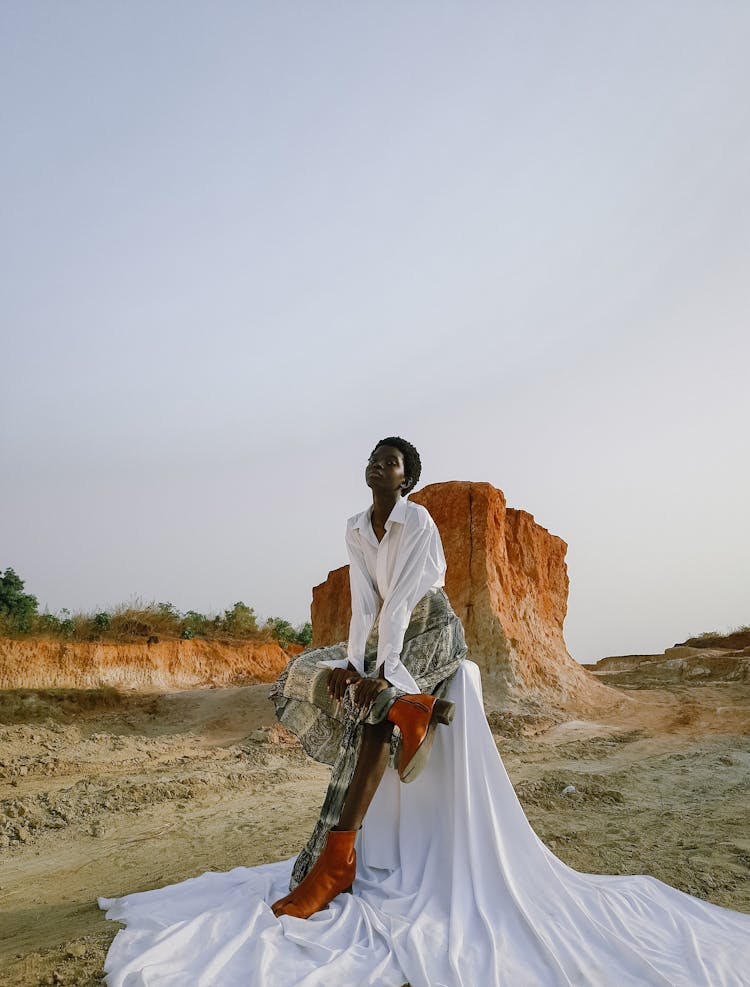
[(332, 873), (416, 716)]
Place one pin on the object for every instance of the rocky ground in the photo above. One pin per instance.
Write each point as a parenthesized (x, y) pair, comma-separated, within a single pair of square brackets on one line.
[(103, 793)]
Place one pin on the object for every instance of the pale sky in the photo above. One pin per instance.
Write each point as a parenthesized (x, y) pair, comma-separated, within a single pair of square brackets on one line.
[(244, 241)]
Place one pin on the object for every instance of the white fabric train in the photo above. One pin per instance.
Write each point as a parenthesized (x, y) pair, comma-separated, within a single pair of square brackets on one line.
[(453, 889)]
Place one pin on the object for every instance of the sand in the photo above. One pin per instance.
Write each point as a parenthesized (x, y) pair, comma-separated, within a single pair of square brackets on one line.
[(105, 793)]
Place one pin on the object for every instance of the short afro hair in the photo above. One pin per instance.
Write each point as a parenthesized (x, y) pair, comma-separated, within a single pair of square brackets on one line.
[(412, 462)]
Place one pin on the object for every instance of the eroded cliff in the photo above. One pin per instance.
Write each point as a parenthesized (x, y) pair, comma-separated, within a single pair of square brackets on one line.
[(36, 663)]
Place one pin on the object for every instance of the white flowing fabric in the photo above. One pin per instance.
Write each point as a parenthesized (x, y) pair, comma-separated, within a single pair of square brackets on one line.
[(453, 889)]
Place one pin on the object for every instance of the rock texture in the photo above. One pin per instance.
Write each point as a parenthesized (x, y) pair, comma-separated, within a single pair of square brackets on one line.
[(507, 581), (38, 663), (682, 663), (735, 641)]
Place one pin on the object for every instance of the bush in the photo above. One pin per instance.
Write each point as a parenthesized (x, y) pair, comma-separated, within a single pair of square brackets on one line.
[(194, 624), (283, 632), (46, 623), (139, 620), (304, 634), (17, 608), (240, 621), (68, 624), (102, 621)]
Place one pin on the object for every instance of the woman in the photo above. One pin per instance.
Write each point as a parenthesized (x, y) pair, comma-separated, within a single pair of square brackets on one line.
[(405, 641), (451, 886)]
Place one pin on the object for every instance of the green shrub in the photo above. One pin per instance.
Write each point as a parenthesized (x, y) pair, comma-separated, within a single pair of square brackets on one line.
[(194, 624), (102, 621), (67, 624), (304, 634), (46, 623), (17, 608), (139, 620), (240, 620), (281, 630)]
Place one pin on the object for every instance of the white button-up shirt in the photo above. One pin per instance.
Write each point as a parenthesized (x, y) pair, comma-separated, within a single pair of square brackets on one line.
[(398, 570)]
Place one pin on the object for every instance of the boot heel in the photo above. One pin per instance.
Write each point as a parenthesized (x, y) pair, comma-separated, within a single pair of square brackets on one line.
[(443, 711)]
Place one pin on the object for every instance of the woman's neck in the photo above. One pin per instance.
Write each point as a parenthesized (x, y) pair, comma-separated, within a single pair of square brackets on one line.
[(382, 507)]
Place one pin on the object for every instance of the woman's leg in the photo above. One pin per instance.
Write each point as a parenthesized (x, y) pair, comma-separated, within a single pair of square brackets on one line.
[(314, 892), (371, 765), (323, 882)]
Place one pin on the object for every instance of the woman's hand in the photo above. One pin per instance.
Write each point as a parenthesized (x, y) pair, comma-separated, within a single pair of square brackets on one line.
[(366, 690), (339, 680)]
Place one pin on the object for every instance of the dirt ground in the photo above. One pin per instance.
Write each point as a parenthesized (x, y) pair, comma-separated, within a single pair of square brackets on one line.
[(103, 793)]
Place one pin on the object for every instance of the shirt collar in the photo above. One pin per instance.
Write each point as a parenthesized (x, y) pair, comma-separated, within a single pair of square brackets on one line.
[(398, 514)]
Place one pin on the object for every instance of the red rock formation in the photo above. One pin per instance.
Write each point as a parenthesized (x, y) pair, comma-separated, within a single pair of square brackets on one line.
[(46, 663), (331, 608), (507, 581)]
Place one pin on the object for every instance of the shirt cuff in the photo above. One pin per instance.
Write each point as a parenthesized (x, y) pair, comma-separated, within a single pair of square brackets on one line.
[(343, 663), (334, 662), (394, 671)]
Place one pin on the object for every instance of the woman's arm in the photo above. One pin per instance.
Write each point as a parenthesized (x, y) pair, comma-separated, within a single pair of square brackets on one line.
[(420, 565), (365, 601)]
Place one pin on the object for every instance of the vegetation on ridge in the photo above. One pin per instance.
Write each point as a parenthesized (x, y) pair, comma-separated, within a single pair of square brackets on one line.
[(19, 615)]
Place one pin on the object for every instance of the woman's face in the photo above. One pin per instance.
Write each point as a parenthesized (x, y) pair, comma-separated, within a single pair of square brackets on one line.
[(385, 470)]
